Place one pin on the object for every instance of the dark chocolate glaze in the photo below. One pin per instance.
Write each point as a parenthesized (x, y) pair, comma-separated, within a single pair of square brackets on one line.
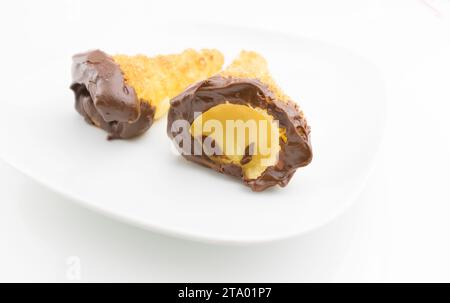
[(295, 152), (104, 99)]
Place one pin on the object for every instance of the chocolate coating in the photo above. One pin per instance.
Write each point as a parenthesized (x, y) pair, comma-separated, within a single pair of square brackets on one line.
[(104, 99), (294, 153)]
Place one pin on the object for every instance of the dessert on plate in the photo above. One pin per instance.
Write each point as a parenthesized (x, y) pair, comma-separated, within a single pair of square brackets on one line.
[(124, 94), (240, 123)]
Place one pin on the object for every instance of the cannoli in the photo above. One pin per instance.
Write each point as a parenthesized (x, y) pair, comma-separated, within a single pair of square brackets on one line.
[(240, 123), (125, 94)]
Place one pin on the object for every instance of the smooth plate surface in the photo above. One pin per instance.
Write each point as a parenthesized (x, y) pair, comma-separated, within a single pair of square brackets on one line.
[(144, 182)]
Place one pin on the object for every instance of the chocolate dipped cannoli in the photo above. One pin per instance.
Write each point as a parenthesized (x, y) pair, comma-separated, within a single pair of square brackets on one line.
[(124, 94), (240, 123)]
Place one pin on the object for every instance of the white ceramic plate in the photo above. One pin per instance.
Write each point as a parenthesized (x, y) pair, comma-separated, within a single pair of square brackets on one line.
[(144, 182)]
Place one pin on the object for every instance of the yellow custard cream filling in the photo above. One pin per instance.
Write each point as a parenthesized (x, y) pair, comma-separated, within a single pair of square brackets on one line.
[(242, 135)]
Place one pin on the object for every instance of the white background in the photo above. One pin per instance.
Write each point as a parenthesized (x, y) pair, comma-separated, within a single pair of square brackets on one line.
[(397, 231)]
